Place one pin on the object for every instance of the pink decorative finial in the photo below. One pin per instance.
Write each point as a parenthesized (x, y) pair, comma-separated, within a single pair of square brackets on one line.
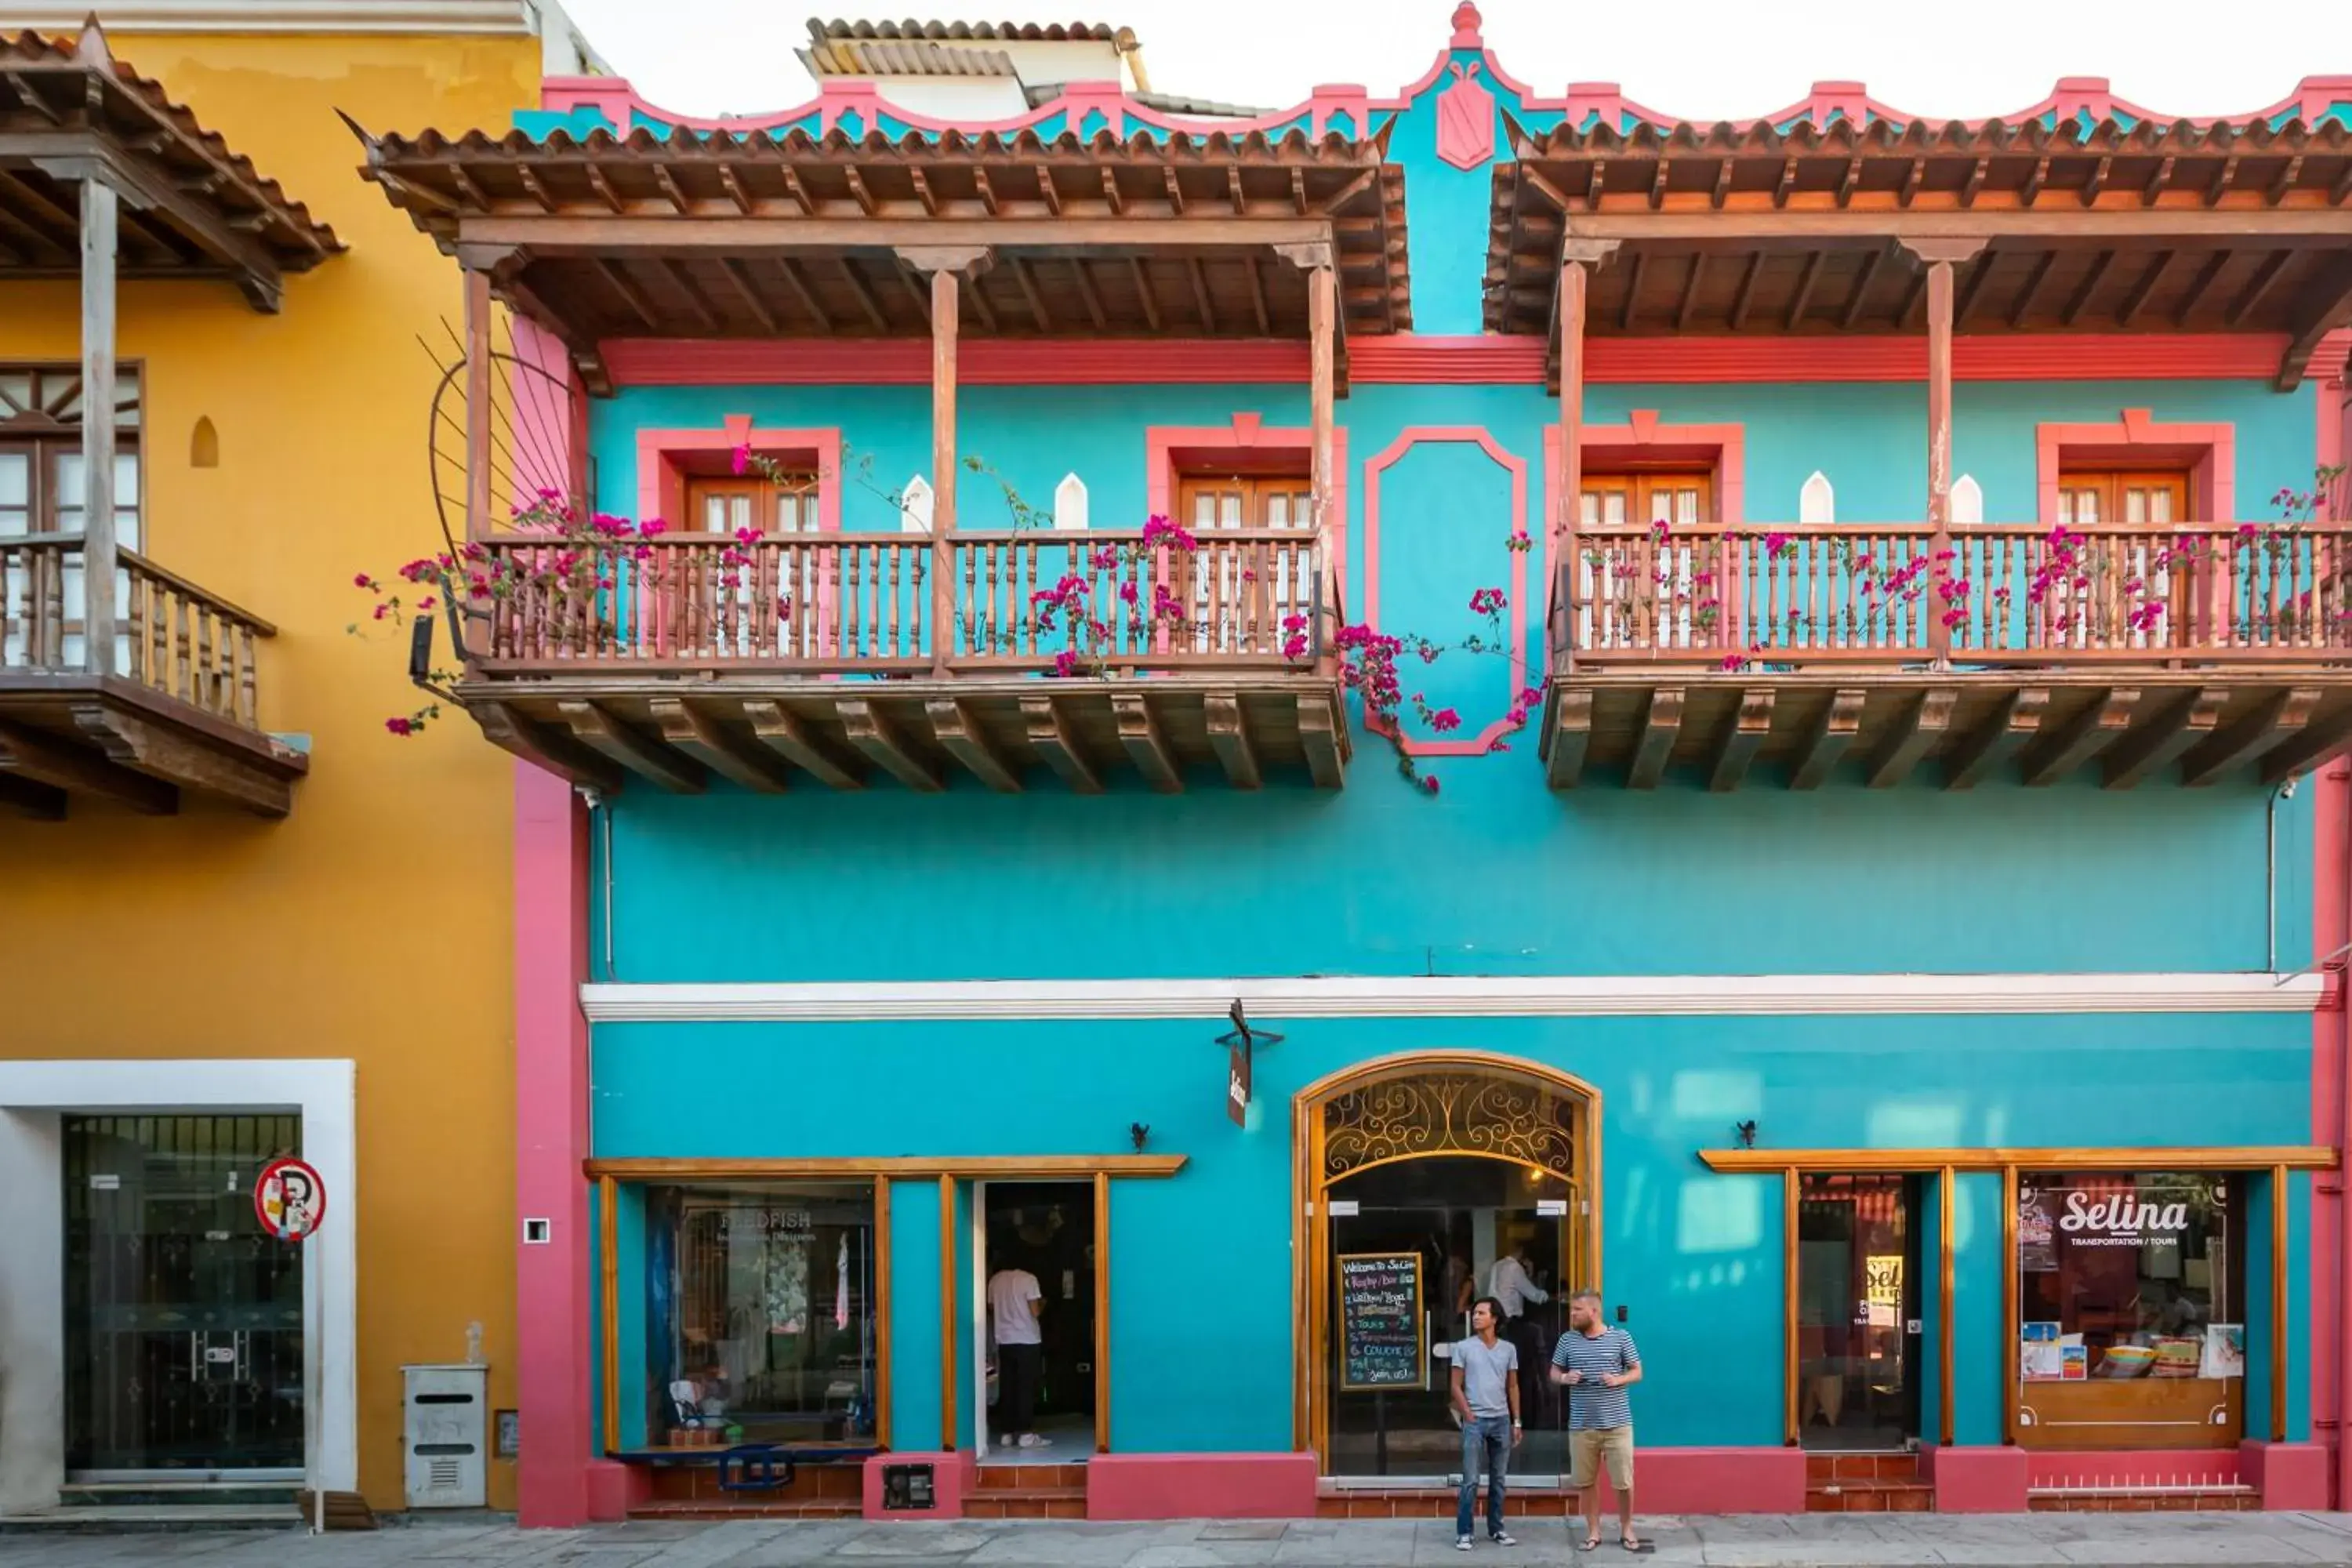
[(1465, 27)]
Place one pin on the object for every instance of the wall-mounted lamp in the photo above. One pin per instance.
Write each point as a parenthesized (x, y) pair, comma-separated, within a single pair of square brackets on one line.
[(1139, 1133), (1746, 1131)]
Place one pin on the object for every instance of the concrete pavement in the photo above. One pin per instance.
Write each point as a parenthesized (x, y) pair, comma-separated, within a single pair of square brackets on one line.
[(1817, 1541)]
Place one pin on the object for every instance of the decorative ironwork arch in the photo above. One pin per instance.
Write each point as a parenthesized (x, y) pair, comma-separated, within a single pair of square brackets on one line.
[(1464, 1112)]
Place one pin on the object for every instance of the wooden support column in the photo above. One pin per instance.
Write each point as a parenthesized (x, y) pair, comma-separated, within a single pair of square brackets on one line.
[(1939, 256), (946, 265), (948, 1302), (479, 394), (1946, 1296), (1322, 313), (1577, 257), (99, 218)]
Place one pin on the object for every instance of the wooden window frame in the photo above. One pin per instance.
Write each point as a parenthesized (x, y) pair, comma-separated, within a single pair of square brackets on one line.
[(763, 494), (2111, 484), (46, 437)]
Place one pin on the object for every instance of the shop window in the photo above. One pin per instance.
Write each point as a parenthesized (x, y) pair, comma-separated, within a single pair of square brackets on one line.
[(761, 1320), (2131, 1309)]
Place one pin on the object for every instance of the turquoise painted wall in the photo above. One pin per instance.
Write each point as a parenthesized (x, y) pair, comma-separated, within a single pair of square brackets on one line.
[(1695, 1256), (1599, 881)]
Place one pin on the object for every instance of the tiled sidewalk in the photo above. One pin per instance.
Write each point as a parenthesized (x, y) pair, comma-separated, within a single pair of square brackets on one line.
[(1812, 1541)]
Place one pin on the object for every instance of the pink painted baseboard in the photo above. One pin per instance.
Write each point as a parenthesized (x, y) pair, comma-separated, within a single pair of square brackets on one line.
[(615, 1488), (1977, 1481), (953, 1477), (1202, 1486), (1716, 1481), (2292, 1476)]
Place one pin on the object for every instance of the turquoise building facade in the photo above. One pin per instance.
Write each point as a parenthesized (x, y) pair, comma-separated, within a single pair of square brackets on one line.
[(1809, 1066)]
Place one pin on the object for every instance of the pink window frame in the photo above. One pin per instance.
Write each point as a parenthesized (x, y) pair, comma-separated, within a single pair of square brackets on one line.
[(661, 487), (2137, 440), (1246, 433)]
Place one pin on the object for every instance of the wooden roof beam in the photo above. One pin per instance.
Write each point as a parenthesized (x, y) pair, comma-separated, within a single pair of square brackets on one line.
[(1854, 301), (1200, 295), (2256, 287), (1911, 180), (631, 295), (989, 200), (2287, 176), (1088, 293), (865, 297), (692, 294), (1804, 295), (922, 183), (1298, 191), (667, 183), (799, 192), (2199, 286), (1788, 181), (1722, 191), (1973, 290), (602, 186), (2221, 185), (2033, 289), (2326, 307), (1051, 193), (858, 190), (1849, 181), (2157, 182), (1175, 190), (2089, 286), (1233, 189), (1633, 292), (1150, 300), (2098, 180), (1746, 294), (1257, 296), (1975, 182), (798, 282), (563, 236), (2137, 300), (1690, 291), (1027, 278), (733, 268), (2031, 190), (1113, 197), (532, 188), (1658, 185)]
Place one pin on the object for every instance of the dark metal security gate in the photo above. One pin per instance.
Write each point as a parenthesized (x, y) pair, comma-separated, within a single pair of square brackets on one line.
[(184, 1320)]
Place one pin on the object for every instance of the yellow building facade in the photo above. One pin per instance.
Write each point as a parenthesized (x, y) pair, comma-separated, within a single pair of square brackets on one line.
[(238, 920)]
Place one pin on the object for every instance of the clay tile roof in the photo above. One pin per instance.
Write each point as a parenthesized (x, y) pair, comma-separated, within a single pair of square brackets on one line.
[(1019, 32), (51, 87)]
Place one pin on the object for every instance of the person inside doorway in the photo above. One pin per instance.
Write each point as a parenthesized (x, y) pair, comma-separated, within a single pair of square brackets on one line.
[(1597, 1363), (1512, 1282), (1015, 1304), (1485, 1398)]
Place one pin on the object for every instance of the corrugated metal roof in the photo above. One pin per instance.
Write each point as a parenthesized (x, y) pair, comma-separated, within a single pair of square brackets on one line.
[(1012, 32), (850, 56)]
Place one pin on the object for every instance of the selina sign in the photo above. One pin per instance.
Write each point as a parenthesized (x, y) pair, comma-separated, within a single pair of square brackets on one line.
[(2124, 1220)]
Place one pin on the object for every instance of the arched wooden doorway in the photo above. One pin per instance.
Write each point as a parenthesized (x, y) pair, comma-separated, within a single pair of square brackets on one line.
[(1476, 1117)]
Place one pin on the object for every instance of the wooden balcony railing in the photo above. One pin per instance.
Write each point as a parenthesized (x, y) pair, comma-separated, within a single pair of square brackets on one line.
[(1862, 595), (862, 604), (175, 639)]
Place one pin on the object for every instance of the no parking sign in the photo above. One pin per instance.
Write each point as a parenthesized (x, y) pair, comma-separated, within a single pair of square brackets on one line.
[(290, 1199)]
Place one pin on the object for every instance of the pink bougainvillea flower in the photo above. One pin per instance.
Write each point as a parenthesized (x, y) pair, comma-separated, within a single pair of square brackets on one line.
[(1429, 782), (1065, 663), (1444, 721), (403, 726), (740, 459)]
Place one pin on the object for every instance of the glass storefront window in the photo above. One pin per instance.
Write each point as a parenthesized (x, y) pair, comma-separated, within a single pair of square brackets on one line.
[(2131, 1298), (761, 1321)]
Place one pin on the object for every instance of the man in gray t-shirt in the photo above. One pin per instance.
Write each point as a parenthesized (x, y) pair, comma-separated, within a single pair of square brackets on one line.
[(1485, 1389)]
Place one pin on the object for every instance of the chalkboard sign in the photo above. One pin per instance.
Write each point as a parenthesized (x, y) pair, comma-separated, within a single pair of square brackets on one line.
[(1380, 1343)]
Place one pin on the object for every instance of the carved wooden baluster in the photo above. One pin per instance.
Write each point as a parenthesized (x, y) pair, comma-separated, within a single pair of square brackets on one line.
[(248, 696), (50, 646)]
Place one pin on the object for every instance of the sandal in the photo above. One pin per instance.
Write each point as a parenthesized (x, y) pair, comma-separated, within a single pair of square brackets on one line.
[(1633, 1544), (1592, 1543)]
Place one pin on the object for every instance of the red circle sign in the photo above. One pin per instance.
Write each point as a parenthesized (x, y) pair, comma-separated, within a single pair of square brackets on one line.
[(291, 1199)]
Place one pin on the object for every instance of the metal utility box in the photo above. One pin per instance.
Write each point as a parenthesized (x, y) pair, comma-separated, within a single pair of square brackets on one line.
[(444, 1436)]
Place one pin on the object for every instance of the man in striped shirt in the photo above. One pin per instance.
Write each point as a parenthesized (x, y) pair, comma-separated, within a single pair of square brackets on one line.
[(1597, 1363)]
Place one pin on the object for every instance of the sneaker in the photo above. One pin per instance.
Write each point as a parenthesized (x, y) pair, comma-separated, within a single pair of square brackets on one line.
[(1462, 1545), (1500, 1539), (1031, 1440)]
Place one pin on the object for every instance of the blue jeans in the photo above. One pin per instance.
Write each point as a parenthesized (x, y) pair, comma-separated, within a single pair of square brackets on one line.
[(1487, 1436)]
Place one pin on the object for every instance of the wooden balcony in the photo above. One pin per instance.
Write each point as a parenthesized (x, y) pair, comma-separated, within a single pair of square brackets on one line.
[(2143, 652), (818, 657), (175, 712)]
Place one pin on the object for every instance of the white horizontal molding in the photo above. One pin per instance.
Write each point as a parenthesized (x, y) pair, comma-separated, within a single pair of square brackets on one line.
[(1392, 996)]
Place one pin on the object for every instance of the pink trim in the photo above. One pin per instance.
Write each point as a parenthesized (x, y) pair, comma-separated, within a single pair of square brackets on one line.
[(954, 1477), (2331, 926), (983, 361), (1642, 440), (1437, 359), (1516, 584), (2289, 1478), (551, 1062), (1975, 1480), (1165, 444), (613, 1489), (661, 482), (1716, 1481), (1465, 28), (2138, 438), (1202, 1486)]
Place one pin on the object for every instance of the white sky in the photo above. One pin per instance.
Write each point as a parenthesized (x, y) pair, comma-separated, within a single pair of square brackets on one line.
[(1700, 60)]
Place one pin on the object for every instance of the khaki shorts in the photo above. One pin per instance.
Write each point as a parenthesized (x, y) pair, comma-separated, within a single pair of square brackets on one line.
[(1588, 1447)]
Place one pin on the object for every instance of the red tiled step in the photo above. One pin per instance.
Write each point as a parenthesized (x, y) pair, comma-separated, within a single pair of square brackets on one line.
[(1025, 1502), (1894, 1464), (1431, 1502), (2222, 1499), (1026, 1477), (717, 1512), (1870, 1497)]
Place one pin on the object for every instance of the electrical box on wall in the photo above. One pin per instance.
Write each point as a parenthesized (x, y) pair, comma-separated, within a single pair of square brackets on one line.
[(908, 1488), (444, 1436)]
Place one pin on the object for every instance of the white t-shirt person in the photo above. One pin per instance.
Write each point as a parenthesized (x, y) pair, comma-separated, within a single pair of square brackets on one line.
[(1012, 1296)]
